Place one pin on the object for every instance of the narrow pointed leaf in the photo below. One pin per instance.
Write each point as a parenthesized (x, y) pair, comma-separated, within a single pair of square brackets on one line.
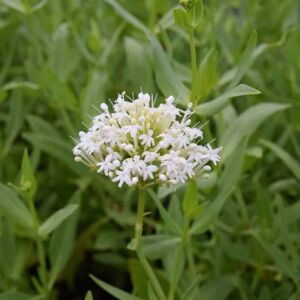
[(56, 219), (27, 180), (211, 212), (247, 123), (245, 61), (12, 207), (289, 161), (169, 221), (191, 291), (61, 244), (214, 106), (118, 293), (89, 296), (190, 199), (207, 74), (151, 293)]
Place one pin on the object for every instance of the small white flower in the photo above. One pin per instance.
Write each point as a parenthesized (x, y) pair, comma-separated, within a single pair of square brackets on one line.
[(138, 143), (147, 139), (149, 156)]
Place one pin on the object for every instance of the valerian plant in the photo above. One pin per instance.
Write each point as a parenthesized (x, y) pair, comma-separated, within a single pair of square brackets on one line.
[(181, 197), (140, 144)]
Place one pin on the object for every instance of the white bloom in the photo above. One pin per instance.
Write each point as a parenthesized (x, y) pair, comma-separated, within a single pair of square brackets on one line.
[(140, 143), (147, 139)]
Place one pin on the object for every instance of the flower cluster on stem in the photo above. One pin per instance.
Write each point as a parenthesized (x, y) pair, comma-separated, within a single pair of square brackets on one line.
[(140, 143)]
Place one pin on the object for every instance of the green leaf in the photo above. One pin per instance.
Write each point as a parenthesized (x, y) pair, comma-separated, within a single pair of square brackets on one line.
[(151, 293), (62, 241), (3, 95), (211, 289), (196, 14), (289, 161), (181, 18), (20, 84), (245, 61), (177, 268), (89, 296), (91, 95), (12, 207), (61, 92), (27, 180), (207, 75), (166, 79), (39, 5), (44, 127), (211, 212), (119, 294), (190, 200), (247, 123), (56, 219), (169, 221), (191, 291), (57, 148), (7, 247), (158, 245), (233, 166), (17, 5), (263, 207), (216, 105), (279, 256), (139, 278), (15, 120), (139, 69)]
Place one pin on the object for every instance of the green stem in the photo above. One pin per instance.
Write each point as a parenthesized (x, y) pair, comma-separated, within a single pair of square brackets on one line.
[(194, 65), (139, 221), (137, 245), (188, 248)]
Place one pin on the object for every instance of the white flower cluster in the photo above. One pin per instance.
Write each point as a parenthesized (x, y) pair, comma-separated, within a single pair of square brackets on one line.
[(141, 143)]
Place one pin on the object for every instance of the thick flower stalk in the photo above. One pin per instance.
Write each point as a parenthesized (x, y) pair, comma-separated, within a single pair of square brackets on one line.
[(138, 143)]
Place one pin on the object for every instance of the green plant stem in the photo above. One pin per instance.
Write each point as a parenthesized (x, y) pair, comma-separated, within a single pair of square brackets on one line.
[(193, 64), (139, 220), (137, 245), (188, 248)]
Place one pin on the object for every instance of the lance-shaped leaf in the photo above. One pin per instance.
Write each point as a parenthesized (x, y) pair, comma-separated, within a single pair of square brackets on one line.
[(27, 180), (214, 106), (246, 124), (169, 221), (119, 294), (245, 61), (56, 219), (89, 296), (209, 215), (191, 291), (289, 161), (12, 207)]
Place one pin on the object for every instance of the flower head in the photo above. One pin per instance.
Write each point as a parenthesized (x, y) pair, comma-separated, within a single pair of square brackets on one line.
[(139, 142)]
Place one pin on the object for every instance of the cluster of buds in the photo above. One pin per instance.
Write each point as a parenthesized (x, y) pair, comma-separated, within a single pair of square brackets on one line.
[(139, 143)]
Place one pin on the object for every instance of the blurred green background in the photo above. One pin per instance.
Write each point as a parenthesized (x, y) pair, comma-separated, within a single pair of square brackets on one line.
[(58, 59)]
